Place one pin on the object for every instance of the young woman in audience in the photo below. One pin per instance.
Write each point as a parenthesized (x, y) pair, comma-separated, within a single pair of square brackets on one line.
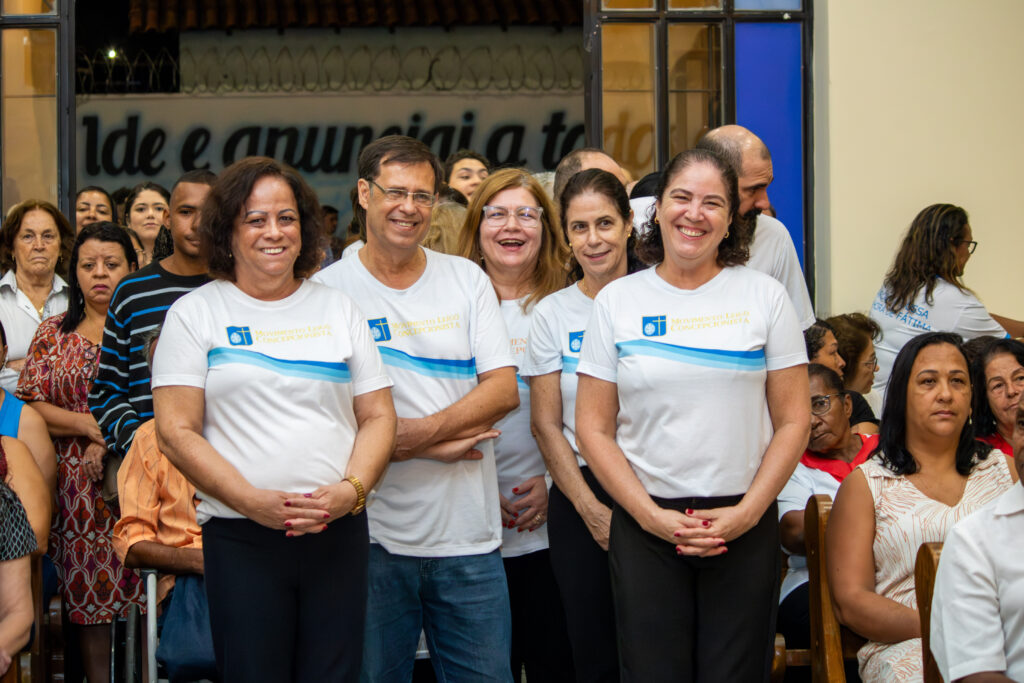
[(513, 232), (823, 348), (58, 373), (597, 221), (928, 473), (283, 433), (692, 411), (464, 170), (35, 246), (856, 334), (997, 378), (146, 214), (93, 204), (833, 451), (924, 289)]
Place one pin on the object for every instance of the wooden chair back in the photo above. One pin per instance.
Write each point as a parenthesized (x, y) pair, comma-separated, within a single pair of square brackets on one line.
[(924, 585), (831, 643)]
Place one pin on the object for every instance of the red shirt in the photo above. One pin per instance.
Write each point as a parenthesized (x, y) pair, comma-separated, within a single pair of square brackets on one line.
[(998, 442), (840, 468)]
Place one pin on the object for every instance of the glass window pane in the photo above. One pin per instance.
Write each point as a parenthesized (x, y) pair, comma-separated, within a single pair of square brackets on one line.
[(627, 4), (28, 112), (768, 4), (627, 97), (694, 4), (694, 83), (14, 7)]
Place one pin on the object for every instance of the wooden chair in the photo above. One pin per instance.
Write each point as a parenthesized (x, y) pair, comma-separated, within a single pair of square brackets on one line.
[(924, 585)]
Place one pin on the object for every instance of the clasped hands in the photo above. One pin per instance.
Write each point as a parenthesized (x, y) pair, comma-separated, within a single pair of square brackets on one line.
[(700, 533), (298, 514)]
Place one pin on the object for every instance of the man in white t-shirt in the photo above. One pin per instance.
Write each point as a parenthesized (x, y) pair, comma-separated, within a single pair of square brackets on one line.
[(772, 250), (435, 521)]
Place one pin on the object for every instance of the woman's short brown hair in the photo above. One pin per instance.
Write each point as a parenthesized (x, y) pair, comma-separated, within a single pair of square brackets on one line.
[(226, 201), (12, 225)]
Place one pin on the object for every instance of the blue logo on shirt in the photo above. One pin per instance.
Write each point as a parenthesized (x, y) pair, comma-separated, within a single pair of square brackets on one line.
[(653, 325), (576, 341), (239, 336), (380, 329)]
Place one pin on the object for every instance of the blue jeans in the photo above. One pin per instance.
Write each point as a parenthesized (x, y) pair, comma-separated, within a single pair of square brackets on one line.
[(460, 602)]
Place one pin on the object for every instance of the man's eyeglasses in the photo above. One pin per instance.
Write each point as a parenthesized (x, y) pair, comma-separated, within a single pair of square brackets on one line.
[(526, 216), (971, 245), (395, 194), (822, 404)]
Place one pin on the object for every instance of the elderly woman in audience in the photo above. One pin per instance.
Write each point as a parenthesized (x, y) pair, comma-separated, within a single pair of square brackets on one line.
[(676, 358), (56, 379), (833, 451), (856, 334), (35, 244), (513, 231), (271, 397), (977, 623), (927, 473), (924, 288), (597, 220), (997, 377), (146, 214), (823, 348), (93, 204)]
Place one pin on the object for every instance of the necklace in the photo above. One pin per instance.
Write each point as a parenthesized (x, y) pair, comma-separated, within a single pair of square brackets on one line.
[(583, 288), (41, 309)]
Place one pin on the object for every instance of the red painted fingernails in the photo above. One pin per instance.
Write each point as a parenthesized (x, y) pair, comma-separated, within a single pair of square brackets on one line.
[(287, 523), (706, 523), (689, 511), (328, 514)]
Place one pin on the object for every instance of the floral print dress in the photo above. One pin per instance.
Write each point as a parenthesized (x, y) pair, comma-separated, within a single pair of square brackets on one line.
[(96, 587)]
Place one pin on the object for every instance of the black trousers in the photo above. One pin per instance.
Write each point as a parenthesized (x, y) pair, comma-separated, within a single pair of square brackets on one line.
[(286, 609), (695, 619), (539, 638), (584, 582)]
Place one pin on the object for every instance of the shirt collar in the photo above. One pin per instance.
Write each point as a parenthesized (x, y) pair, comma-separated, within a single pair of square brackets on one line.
[(9, 281), (1011, 502), (58, 284)]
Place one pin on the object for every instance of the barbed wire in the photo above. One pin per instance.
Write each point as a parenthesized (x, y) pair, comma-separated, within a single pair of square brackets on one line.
[(358, 69)]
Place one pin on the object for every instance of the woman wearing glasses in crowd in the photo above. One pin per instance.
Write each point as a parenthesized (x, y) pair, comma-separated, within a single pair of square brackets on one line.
[(924, 289), (598, 222), (511, 229), (692, 411), (997, 377), (927, 473), (823, 348), (856, 334)]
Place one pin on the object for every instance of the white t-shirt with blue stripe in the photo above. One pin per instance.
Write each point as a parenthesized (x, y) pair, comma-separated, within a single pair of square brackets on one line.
[(691, 367), (435, 337), (279, 380)]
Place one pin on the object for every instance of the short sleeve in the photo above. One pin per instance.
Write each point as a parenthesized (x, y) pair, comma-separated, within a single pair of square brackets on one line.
[(34, 381), (180, 358), (966, 628), (138, 488), (600, 358), (795, 493), (975, 321), (784, 346), (543, 350), (490, 335), (365, 365), (861, 410)]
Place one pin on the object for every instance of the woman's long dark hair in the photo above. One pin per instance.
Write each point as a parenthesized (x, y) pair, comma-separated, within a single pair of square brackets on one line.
[(984, 419), (104, 231), (892, 437)]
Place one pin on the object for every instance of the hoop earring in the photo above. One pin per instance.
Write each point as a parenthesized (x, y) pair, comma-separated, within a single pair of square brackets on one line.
[(726, 235)]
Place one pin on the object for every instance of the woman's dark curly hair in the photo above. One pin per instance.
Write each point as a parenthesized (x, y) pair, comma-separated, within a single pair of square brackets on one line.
[(734, 249), (892, 437), (104, 231), (225, 204), (984, 419), (605, 184)]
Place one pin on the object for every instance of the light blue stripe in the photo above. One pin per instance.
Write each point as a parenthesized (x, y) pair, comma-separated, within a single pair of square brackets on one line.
[(569, 364), (308, 369), (429, 367), (748, 361), (522, 382)]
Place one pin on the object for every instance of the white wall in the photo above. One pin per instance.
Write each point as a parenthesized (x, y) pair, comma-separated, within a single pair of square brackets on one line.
[(917, 102)]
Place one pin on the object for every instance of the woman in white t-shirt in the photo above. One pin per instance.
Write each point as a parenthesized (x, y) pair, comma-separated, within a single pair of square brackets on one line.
[(271, 397), (924, 289), (512, 231), (597, 220), (692, 410)]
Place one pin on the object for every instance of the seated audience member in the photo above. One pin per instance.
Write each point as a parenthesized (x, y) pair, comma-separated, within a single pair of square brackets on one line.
[(927, 474), (973, 347), (823, 348), (17, 543), (22, 422), (977, 624), (997, 379), (464, 170), (856, 334), (581, 160), (833, 451), (924, 289)]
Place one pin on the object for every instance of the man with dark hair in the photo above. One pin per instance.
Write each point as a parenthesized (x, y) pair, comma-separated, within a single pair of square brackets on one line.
[(435, 523), (581, 160), (771, 248), (121, 398)]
